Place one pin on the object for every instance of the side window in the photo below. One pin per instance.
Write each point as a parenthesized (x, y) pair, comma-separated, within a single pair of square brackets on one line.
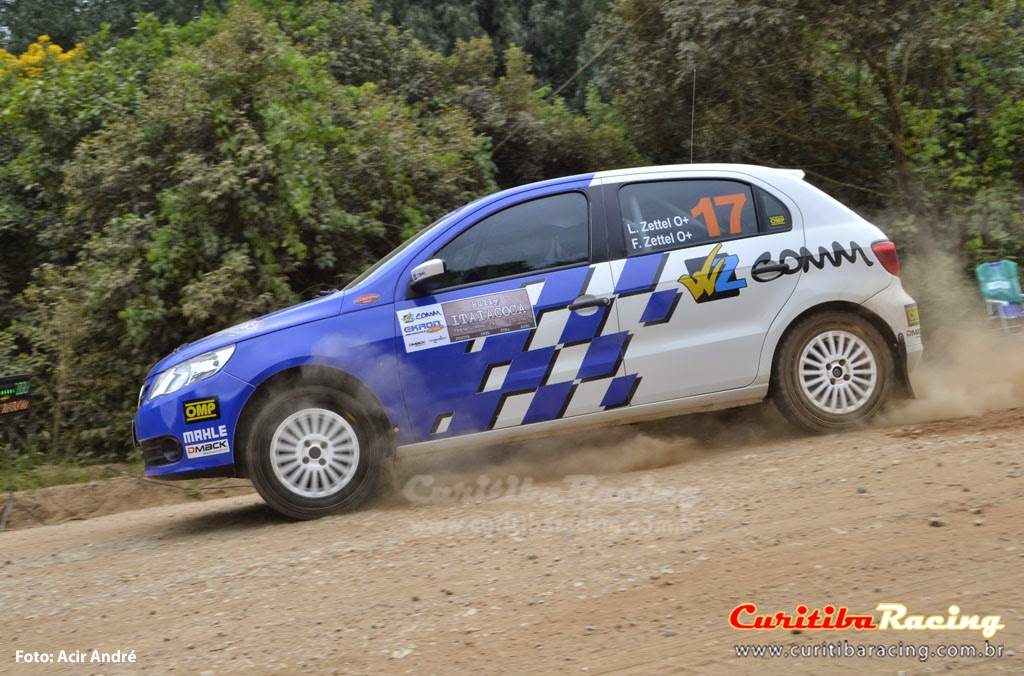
[(664, 215), (541, 234), (776, 213)]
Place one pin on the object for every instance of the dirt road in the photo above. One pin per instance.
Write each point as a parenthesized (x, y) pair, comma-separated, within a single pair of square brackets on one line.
[(626, 552)]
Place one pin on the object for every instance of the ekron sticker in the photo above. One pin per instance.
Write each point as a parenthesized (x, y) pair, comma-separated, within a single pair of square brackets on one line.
[(439, 324)]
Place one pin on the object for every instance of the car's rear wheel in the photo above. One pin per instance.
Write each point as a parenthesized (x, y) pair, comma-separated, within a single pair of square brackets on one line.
[(314, 451), (833, 372)]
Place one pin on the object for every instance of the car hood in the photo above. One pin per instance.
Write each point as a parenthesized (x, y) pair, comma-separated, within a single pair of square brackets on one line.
[(303, 313)]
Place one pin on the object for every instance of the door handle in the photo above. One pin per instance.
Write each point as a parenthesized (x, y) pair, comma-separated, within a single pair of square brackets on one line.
[(588, 303), (772, 267)]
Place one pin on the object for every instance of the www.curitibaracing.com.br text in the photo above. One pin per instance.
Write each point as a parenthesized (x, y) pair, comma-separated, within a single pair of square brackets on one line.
[(846, 650)]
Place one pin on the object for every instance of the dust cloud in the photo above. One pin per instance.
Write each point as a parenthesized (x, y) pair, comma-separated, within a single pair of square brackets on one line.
[(504, 470), (971, 364)]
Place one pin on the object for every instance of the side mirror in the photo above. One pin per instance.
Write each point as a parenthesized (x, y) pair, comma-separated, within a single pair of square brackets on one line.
[(426, 277)]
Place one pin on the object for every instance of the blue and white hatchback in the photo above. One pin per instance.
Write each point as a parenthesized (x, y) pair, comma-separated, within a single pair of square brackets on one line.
[(590, 300)]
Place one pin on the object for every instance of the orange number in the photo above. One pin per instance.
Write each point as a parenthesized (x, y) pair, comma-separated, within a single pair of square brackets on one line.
[(707, 212), (736, 202)]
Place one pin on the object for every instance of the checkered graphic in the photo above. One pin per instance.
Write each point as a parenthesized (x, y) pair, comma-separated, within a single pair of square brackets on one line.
[(570, 363)]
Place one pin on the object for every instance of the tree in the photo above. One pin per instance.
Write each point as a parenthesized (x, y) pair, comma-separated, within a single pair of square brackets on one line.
[(68, 22)]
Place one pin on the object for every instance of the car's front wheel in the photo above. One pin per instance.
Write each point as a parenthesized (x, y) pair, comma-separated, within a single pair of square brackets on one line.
[(833, 372), (314, 451)]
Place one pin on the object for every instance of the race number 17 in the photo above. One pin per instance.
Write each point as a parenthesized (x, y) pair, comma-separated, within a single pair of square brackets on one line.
[(705, 210)]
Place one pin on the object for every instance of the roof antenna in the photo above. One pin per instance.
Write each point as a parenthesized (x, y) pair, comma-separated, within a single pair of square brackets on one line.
[(693, 112)]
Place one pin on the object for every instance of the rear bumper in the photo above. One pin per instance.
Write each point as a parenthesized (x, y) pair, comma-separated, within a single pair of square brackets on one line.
[(900, 313)]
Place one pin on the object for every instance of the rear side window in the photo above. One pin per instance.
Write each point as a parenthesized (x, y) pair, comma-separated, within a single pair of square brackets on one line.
[(550, 232), (665, 215), (776, 213)]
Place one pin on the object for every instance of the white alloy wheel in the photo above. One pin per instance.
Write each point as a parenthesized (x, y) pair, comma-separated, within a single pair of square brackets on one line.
[(833, 371), (838, 372), (314, 452)]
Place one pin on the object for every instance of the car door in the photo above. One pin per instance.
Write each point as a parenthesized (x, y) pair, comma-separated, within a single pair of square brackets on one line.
[(684, 284), (519, 328)]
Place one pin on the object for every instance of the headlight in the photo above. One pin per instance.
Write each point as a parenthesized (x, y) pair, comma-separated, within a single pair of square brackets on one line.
[(191, 371)]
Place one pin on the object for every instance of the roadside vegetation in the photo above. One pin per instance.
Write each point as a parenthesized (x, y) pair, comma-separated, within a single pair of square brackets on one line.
[(171, 167)]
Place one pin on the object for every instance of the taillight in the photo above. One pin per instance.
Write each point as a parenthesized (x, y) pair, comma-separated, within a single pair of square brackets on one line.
[(885, 252)]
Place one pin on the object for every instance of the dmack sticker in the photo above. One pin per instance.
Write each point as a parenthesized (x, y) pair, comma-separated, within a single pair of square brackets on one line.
[(713, 277), (465, 319), (215, 447)]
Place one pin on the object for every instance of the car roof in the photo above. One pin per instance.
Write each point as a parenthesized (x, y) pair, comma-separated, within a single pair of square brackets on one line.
[(703, 169)]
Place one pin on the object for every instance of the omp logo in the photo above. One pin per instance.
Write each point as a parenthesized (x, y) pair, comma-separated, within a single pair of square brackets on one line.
[(714, 277), (201, 410), (410, 317)]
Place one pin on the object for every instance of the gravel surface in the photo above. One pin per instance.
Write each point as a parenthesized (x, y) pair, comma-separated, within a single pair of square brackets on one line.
[(625, 553)]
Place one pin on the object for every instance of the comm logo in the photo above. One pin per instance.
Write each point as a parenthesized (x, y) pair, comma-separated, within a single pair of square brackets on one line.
[(201, 410)]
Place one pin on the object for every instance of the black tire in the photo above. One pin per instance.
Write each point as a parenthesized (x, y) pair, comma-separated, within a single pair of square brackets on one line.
[(314, 451), (833, 372)]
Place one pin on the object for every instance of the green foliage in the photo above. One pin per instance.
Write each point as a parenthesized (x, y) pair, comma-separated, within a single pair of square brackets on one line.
[(189, 168), (70, 21), (550, 30)]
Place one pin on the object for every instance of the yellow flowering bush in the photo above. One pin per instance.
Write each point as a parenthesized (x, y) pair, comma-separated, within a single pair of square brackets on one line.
[(40, 55)]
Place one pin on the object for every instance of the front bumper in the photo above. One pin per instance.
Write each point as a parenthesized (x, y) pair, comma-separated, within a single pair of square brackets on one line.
[(192, 432)]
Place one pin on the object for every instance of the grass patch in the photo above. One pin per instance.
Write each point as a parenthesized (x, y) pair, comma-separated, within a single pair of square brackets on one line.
[(20, 478)]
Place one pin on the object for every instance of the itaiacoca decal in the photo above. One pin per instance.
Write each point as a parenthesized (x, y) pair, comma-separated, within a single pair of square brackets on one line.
[(455, 321), (502, 312), (201, 410), (893, 616), (791, 262), (206, 441), (713, 277)]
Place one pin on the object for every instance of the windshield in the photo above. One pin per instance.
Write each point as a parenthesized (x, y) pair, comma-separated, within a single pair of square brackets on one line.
[(394, 252)]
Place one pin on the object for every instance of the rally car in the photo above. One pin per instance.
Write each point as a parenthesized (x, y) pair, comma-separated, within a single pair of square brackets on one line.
[(596, 299)]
